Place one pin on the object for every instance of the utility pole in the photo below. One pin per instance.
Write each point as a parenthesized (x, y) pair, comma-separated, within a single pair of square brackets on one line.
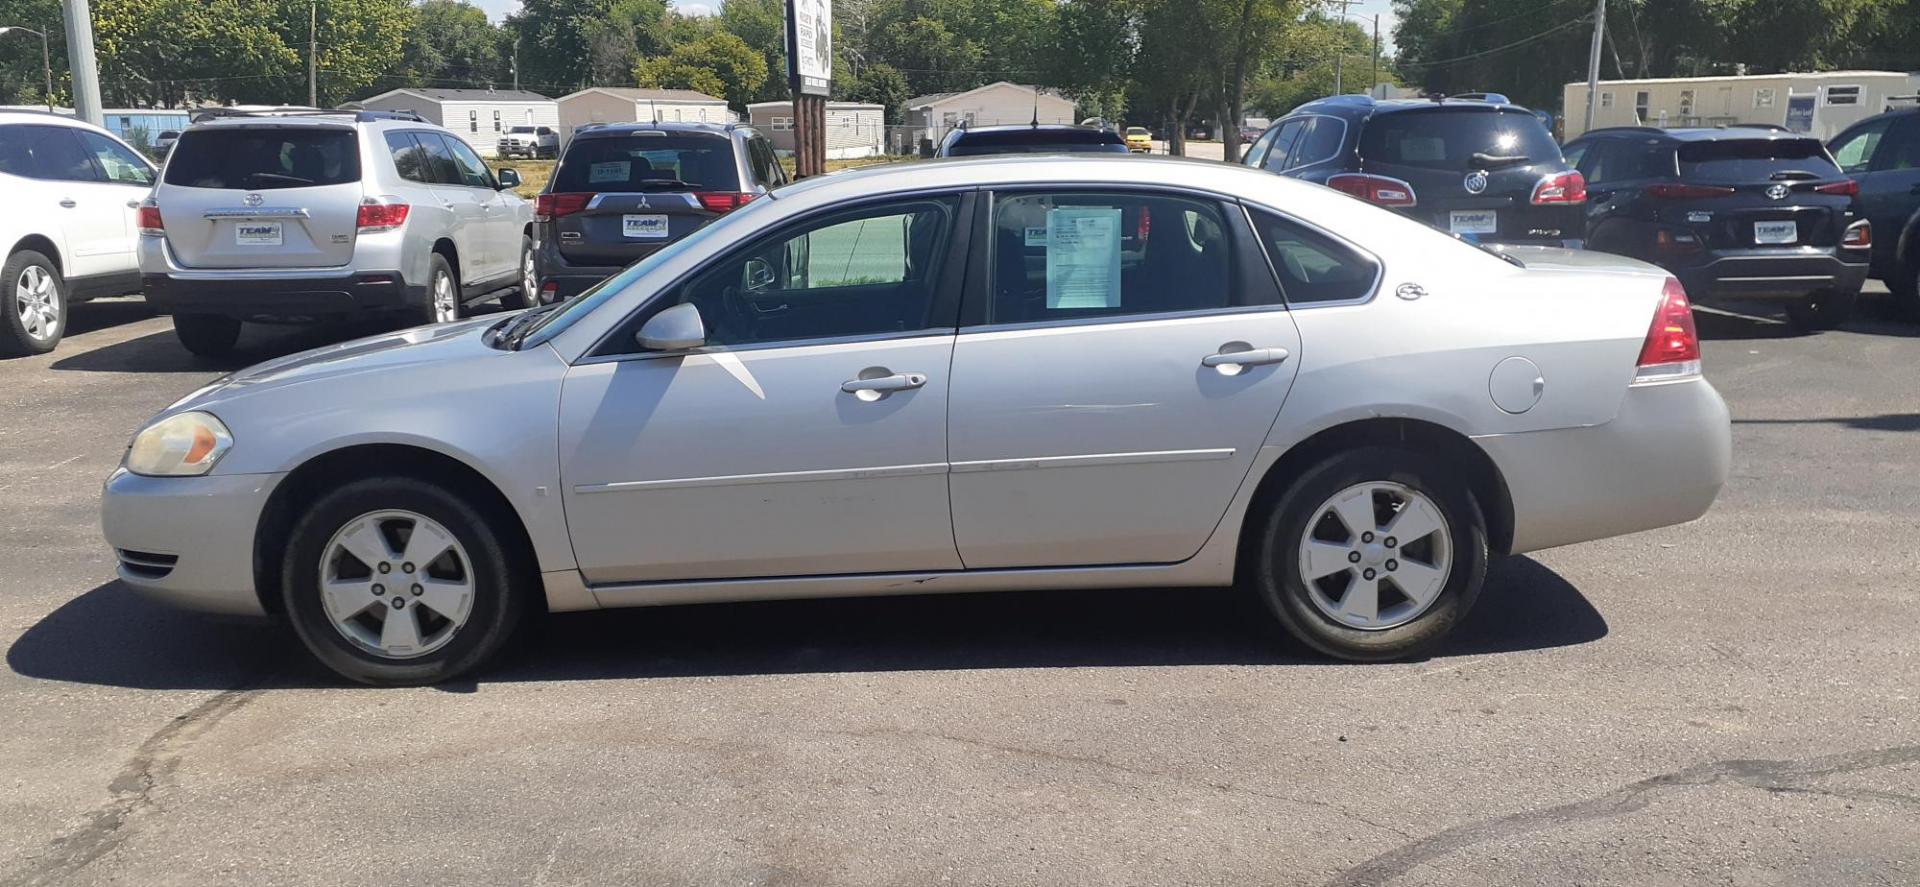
[(86, 74), (1340, 50), (1593, 60), (516, 63), (1376, 55), (313, 54)]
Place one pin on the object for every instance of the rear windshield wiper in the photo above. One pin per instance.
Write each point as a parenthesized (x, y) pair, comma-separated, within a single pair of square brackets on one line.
[(1493, 160)]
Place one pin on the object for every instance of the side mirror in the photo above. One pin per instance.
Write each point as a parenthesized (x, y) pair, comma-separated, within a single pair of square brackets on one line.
[(509, 178), (676, 329)]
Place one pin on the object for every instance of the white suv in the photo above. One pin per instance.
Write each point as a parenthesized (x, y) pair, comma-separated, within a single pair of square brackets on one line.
[(68, 230), (313, 215)]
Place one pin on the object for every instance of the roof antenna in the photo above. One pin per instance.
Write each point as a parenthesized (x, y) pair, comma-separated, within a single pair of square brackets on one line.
[(1036, 107)]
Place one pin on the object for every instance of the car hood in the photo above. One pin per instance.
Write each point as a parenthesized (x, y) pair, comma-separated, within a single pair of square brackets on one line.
[(386, 354)]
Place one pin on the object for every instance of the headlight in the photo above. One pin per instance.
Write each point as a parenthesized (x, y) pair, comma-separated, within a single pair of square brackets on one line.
[(183, 445)]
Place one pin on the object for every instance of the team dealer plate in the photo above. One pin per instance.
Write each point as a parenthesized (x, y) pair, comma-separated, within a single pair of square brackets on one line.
[(257, 234), (1776, 232), (644, 227), (1473, 221)]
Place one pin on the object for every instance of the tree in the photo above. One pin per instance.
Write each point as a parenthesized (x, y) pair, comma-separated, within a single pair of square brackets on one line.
[(931, 55), (877, 84), (718, 64), (452, 44), (761, 25), (22, 79), (165, 52)]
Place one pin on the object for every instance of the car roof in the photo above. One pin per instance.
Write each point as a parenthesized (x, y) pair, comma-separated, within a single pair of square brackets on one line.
[(593, 130), (1361, 105), (28, 115), (1026, 127), (1702, 133)]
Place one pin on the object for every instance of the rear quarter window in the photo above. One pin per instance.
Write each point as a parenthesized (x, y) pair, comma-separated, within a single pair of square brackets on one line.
[(1448, 139), (1754, 160), (264, 159), (664, 162)]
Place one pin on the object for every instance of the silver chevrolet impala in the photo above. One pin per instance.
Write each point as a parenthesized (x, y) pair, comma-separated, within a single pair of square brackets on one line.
[(983, 375)]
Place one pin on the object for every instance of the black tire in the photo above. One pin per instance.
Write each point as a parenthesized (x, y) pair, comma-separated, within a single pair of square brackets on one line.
[(207, 335), (1904, 284), (1286, 524), (1823, 310), (500, 585), (525, 295), (15, 337), (438, 267)]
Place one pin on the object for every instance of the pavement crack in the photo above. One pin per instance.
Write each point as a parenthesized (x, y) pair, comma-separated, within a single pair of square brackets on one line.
[(1136, 772), (1775, 776), (130, 791)]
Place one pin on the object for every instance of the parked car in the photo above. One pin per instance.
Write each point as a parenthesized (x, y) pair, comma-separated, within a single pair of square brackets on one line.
[(625, 191), (1038, 138), (68, 230), (163, 142), (1734, 211), (537, 142), (314, 215), (1249, 133), (1882, 154), (949, 377), (1485, 170), (1139, 140)]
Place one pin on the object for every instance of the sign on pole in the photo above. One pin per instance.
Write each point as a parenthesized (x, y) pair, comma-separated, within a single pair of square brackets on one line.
[(810, 46)]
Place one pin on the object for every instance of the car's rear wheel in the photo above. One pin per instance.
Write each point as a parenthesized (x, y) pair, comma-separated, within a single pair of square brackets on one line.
[(33, 304), (528, 293), (207, 335), (1373, 554), (1904, 284), (1822, 310), (443, 292), (397, 581)]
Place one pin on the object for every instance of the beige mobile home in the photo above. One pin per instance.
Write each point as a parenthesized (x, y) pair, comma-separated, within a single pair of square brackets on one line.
[(477, 115), (990, 105), (853, 129), (1820, 104)]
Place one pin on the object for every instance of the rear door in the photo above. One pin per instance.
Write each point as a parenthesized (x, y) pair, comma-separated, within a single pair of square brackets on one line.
[(1473, 169), (642, 191), (1770, 201), (1108, 400), (263, 195), (127, 178)]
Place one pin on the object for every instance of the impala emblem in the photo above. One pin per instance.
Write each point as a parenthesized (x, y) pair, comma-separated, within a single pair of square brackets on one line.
[(1476, 181), (253, 200), (1778, 192), (1410, 291)]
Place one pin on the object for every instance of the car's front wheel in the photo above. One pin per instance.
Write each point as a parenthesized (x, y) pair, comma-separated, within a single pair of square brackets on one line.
[(1373, 554), (33, 304), (397, 581)]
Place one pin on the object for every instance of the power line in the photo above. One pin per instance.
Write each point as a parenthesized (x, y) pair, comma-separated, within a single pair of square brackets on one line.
[(1499, 49)]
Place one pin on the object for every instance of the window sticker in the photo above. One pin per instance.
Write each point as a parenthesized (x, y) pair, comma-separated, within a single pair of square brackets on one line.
[(1083, 257), (610, 171)]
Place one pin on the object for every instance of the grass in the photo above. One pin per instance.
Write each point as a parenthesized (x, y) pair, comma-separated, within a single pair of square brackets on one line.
[(535, 173)]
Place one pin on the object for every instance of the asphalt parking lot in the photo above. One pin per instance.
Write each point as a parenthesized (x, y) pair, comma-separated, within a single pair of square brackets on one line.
[(1732, 701)]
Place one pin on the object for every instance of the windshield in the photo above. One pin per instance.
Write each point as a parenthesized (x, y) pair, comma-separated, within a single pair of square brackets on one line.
[(648, 161), (264, 158), (1756, 160), (1136, 130), (1449, 139), (521, 129)]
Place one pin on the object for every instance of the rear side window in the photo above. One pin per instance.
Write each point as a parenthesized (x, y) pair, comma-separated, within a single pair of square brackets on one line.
[(1311, 266), (409, 159), (648, 162), (1754, 160), (119, 163), (1076, 255), (264, 159), (45, 152), (1450, 139), (1321, 142), (1037, 141)]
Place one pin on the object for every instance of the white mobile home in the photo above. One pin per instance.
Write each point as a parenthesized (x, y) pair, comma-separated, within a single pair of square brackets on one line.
[(1819, 104), (477, 115), (994, 104), (626, 104), (853, 129)]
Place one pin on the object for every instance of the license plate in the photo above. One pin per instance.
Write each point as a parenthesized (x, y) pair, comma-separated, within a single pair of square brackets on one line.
[(257, 234), (651, 227), (1776, 232), (1473, 221)]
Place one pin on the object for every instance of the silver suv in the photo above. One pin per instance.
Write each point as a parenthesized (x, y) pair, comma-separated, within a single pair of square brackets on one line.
[(309, 216)]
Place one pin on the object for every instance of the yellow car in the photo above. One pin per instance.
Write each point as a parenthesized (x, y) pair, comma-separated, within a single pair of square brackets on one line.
[(1139, 140)]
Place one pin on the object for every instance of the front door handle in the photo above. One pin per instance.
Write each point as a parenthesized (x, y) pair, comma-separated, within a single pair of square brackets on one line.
[(871, 388), (68, 203), (1251, 357)]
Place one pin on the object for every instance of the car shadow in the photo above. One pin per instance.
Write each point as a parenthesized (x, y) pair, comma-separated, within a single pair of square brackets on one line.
[(100, 314), (112, 636), (1882, 422), (1734, 319)]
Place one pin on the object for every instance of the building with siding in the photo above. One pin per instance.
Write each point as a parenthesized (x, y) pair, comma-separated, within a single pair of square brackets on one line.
[(626, 104), (931, 116), (853, 129), (477, 115), (1819, 104)]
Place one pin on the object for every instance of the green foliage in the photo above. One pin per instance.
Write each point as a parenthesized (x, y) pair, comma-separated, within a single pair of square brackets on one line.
[(718, 64), (452, 44), (877, 84)]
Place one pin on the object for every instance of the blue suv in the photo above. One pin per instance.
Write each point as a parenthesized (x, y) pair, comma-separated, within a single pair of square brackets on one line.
[(1882, 154)]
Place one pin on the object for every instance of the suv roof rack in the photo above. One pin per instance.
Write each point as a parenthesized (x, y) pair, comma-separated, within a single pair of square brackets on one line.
[(206, 114)]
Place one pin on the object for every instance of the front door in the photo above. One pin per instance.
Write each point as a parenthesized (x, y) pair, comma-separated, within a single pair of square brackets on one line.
[(808, 437), (1130, 357)]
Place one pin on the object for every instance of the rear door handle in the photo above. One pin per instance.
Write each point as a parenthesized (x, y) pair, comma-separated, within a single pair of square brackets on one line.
[(68, 203), (881, 386), (1252, 357)]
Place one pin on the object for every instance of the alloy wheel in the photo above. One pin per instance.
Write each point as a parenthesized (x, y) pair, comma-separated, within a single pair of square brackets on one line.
[(529, 283), (37, 302), (396, 584), (446, 306), (1375, 556)]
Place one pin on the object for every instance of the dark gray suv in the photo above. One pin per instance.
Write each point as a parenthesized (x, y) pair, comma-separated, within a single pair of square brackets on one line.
[(624, 190)]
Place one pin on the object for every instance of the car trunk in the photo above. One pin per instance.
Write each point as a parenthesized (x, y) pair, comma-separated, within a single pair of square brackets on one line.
[(1759, 194), (638, 192), (1473, 171), (263, 197)]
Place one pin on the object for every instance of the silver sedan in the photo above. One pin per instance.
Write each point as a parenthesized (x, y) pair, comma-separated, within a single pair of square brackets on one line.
[(997, 374)]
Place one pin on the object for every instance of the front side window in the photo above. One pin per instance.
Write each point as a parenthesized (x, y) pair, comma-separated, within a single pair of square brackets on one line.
[(264, 159), (45, 152), (1854, 151), (473, 170), (1313, 267), (1283, 145), (441, 168), (1066, 256), (1257, 154), (120, 165), (870, 271)]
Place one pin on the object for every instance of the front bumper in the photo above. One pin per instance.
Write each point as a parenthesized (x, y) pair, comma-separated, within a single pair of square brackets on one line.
[(1762, 274), (187, 540), (1660, 461)]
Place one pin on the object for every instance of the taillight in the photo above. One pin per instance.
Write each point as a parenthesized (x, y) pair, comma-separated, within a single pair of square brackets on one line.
[(1374, 189), (1672, 348), (1859, 235), (548, 207), (1678, 191), (722, 201), (1846, 188), (1562, 188), (381, 214), (150, 222)]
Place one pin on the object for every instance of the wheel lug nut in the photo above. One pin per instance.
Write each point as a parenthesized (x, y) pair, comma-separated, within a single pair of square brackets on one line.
[(407, 568), (1392, 565), (1353, 557), (1369, 574), (1391, 542), (1366, 537), (417, 590), (386, 568), (379, 589), (399, 602)]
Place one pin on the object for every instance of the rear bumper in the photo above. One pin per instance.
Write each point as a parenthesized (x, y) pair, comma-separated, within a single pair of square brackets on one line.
[(187, 540), (1660, 461), (568, 279), (281, 297), (1755, 274)]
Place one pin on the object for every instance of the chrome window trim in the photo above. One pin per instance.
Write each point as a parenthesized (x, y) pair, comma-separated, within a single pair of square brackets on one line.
[(931, 333), (1115, 319), (775, 477), (1344, 132), (1379, 266)]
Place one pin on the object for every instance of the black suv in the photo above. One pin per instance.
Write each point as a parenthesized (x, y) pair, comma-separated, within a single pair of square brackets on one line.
[(1735, 211), (1484, 169), (1034, 138), (623, 191), (1882, 154)]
